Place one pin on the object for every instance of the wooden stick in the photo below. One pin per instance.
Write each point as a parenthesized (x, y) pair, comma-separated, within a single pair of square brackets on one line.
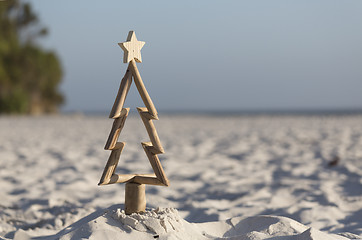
[(112, 163), (117, 126), (155, 163), (137, 178), (151, 130), (135, 198), (121, 95), (122, 178), (148, 180), (142, 89)]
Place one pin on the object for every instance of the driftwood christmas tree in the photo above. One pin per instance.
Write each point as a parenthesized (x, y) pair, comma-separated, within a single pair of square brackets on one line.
[(135, 198)]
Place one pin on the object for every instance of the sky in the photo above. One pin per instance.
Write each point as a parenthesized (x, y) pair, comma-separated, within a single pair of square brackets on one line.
[(210, 55)]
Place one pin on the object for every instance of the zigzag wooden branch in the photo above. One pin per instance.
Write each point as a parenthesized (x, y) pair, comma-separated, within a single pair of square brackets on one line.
[(121, 95), (119, 114), (117, 126), (151, 130), (136, 178), (155, 163), (142, 90), (111, 163)]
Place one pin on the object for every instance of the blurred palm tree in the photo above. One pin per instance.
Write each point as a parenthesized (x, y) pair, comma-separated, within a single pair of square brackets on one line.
[(29, 75)]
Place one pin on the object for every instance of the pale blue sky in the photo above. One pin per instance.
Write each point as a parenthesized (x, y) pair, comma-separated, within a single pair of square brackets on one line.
[(211, 55)]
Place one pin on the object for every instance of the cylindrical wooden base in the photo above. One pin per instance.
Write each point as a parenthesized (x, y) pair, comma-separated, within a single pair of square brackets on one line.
[(135, 201)]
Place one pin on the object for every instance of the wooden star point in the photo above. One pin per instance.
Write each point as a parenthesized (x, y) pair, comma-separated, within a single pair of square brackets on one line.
[(132, 48)]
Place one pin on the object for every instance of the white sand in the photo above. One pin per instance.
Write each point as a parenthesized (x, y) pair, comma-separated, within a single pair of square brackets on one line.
[(219, 168), (114, 224)]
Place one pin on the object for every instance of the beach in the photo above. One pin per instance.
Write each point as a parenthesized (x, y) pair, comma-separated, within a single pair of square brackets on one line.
[(302, 168)]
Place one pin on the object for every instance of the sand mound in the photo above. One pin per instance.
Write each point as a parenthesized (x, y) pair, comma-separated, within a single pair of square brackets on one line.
[(166, 223), (158, 221)]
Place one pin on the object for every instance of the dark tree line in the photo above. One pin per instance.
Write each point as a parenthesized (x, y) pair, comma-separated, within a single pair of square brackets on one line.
[(29, 75)]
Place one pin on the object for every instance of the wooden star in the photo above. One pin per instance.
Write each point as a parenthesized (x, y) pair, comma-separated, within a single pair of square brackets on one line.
[(132, 48)]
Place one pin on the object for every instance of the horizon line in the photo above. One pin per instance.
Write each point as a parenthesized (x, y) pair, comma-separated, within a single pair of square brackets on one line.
[(306, 111)]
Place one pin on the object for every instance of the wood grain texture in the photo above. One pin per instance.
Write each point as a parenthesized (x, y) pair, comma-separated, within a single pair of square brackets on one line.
[(122, 178), (132, 48), (155, 163), (117, 126), (121, 95), (112, 163), (135, 198), (151, 130), (148, 180), (142, 90), (137, 178)]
